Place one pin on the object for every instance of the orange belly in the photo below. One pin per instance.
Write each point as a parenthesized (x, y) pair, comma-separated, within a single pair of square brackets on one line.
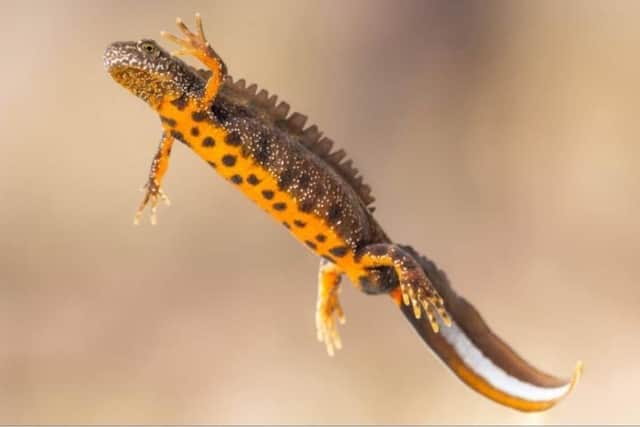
[(208, 142)]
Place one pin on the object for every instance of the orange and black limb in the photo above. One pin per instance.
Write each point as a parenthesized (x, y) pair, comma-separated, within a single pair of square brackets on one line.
[(196, 44), (159, 167), (328, 308), (416, 288)]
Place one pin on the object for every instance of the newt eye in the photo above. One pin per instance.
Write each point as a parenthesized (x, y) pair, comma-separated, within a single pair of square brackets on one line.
[(147, 47)]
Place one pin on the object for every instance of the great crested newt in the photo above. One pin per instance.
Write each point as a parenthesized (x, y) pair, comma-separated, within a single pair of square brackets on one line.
[(294, 173)]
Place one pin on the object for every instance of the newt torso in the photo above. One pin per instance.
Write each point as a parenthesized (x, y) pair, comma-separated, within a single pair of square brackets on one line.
[(288, 171)]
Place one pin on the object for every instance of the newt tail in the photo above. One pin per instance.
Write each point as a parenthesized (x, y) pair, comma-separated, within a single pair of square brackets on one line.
[(293, 173), (480, 358)]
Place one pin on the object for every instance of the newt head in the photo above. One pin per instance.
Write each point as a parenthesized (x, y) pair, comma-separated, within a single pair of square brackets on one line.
[(150, 72)]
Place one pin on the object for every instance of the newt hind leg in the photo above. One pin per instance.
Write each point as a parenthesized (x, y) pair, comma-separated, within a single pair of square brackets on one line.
[(417, 289), (328, 309)]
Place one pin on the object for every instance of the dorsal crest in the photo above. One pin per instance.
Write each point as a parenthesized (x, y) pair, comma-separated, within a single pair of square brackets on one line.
[(311, 137)]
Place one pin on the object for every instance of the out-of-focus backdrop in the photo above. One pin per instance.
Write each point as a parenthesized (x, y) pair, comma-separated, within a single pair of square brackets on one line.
[(501, 138)]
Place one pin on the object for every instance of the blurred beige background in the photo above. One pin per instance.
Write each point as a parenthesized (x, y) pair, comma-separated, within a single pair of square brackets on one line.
[(501, 139)]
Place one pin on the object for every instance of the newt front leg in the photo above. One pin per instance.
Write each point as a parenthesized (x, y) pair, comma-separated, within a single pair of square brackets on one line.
[(197, 45), (154, 192)]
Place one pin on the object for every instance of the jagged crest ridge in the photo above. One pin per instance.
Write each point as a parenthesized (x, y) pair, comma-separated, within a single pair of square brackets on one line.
[(311, 137)]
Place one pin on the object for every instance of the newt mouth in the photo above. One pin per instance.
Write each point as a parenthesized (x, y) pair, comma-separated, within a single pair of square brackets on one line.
[(113, 55)]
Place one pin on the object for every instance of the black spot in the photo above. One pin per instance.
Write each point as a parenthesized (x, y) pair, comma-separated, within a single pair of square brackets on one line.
[(229, 160), (298, 223), (310, 244), (339, 251), (286, 179), (279, 206), (267, 194), (304, 180), (208, 142), (328, 258), (233, 139), (177, 135), (199, 116), (236, 179), (253, 180), (286, 224), (220, 112), (195, 131), (334, 214), (306, 206), (212, 164), (169, 121), (180, 103), (321, 237)]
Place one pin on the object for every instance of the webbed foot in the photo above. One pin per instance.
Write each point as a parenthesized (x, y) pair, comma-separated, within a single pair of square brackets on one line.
[(153, 196), (195, 44)]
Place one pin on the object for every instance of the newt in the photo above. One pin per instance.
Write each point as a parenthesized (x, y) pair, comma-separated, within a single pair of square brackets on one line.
[(294, 173)]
